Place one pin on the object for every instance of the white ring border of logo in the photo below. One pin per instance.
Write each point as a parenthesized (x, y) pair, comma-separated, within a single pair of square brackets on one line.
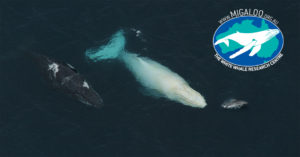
[(246, 65)]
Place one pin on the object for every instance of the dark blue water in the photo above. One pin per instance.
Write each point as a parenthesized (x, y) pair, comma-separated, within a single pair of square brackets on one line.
[(37, 120)]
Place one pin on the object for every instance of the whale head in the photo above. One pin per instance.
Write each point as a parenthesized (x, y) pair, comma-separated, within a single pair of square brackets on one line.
[(271, 33), (188, 96), (89, 97)]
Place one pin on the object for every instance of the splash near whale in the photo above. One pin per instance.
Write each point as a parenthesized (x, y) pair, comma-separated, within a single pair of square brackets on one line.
[(158, 79)]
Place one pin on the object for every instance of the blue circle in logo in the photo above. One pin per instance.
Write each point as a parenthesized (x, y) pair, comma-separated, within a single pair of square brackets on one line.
[(248, 41)]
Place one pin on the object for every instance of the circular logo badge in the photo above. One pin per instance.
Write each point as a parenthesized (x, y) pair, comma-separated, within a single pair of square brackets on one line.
[(248, 41)]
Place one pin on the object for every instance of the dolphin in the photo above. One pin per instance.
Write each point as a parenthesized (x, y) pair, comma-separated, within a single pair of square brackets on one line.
[(64, 76), (249, 41), (234, 104)]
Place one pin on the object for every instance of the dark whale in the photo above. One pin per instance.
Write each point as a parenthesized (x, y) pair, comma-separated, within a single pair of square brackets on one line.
[(64, 76)]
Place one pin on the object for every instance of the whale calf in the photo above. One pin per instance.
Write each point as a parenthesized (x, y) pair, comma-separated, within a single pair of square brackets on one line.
[(234, 104), (158, 79), (64, 76), (252, 41)]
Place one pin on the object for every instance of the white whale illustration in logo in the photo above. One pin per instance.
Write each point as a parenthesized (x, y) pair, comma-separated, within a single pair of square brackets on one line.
[(249, 40)]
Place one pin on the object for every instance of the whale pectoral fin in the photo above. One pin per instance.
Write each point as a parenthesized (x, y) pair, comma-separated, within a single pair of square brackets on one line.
[(255, 49), (226, 42), (243, 50), (150, 92)]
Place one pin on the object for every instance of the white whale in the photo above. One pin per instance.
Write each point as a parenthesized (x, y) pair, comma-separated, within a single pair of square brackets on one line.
[(160, 80), (249, 40)]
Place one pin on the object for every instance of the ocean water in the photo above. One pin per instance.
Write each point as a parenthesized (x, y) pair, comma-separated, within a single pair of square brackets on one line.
[(38, 120)]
